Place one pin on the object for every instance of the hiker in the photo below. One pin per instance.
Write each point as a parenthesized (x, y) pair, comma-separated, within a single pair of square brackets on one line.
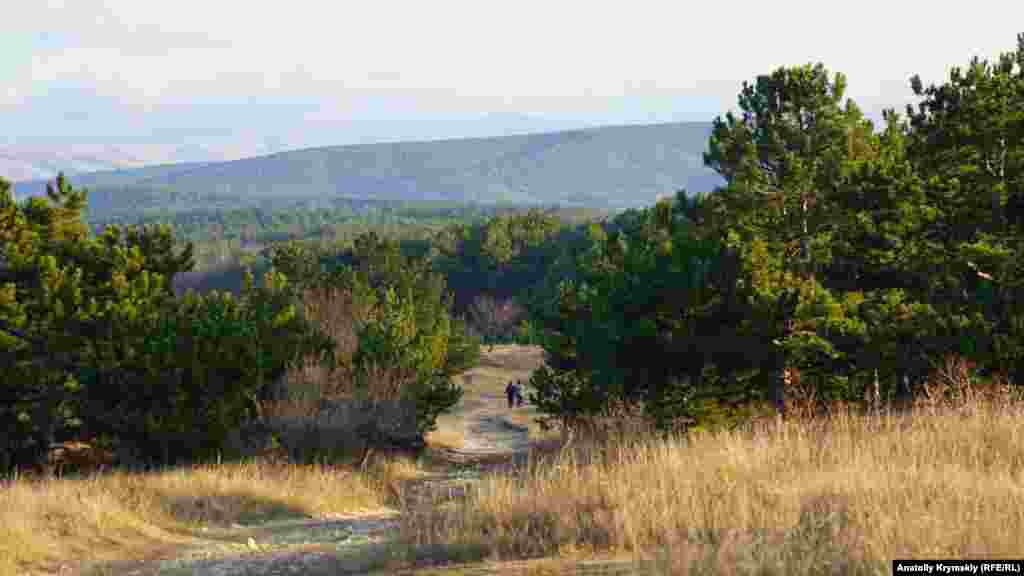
[(519, 393), (511, 393)]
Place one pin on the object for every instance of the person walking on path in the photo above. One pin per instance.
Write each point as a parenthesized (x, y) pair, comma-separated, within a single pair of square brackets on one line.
[(511, 393)]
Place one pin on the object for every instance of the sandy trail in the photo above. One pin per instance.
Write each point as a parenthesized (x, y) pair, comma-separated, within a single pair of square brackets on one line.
[(488, 433), (340, 544)]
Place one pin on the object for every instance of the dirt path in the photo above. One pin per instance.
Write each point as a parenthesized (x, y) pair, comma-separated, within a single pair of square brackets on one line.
[(359, 544), (338, 545)]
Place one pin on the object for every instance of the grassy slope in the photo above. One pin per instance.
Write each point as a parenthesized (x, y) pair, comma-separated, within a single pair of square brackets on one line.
[(47, 523), (851, 492)]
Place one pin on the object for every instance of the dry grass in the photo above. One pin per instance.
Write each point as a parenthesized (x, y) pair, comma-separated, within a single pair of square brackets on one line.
[(840, 493), (121, 515), (845, 494)]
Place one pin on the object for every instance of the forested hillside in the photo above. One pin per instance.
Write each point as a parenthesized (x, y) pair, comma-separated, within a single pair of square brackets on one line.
[(616, 167), (225, 242)]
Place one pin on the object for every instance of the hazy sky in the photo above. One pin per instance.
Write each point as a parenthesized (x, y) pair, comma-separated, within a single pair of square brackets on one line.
[(266, 75)]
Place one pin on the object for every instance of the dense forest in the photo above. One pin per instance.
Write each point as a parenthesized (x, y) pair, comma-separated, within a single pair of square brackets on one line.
[(840, 261), (220, 233)]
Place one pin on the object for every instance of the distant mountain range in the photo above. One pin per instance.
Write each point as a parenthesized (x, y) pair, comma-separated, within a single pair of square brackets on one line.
[(610, 167), (26, 162)]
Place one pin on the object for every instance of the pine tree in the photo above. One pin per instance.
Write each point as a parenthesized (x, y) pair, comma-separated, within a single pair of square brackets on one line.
[(781, 160)]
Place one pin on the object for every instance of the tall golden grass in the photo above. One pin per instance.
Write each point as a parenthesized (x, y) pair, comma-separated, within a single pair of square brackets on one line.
[(844, 492), (118, 515)]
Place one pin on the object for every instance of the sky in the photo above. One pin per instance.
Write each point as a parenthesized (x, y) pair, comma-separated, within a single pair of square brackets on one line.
[(238, 78)]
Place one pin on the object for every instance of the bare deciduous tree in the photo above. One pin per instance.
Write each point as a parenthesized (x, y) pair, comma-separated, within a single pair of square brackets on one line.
[(494, 318)]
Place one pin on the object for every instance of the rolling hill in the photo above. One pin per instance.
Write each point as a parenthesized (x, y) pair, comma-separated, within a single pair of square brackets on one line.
[(608, 167)]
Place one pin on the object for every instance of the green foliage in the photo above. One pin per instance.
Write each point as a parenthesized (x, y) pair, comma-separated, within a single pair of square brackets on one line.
[(200, 369), (407, 328), (463, 349), (506, 259), (831, 249), (785, 161), (967, 140), (527, 333), (394, 337), (563, 395), (67, 295), (94, 344), (652, 313)]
